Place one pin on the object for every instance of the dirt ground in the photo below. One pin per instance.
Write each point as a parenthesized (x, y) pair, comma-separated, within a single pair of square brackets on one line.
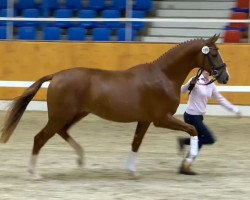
[(224, 168)]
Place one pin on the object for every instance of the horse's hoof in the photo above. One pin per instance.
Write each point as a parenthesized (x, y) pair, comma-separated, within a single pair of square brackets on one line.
[(190, 172), (37, 177), (186, 170), (80, 162), (134, 175), (31, 171)]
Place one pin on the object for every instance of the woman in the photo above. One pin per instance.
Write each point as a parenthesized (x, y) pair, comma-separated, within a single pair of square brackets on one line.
[(200, 93)]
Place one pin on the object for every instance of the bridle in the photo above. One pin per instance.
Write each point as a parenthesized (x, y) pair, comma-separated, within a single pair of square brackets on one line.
[(216, 70)]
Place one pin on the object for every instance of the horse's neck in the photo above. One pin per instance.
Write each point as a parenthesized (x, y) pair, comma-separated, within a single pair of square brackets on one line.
[(176, 65)]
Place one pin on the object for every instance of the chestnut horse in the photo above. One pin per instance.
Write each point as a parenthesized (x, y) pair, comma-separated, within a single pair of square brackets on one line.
[(146, 93)]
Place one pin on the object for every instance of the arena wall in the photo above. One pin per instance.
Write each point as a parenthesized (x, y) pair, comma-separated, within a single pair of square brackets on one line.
[(28, 61)]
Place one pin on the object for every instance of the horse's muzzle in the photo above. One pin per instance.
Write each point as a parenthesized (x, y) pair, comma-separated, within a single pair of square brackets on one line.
[(223, 79), (226, 80)]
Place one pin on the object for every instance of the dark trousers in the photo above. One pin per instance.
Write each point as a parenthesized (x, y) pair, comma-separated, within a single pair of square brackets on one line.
[(205, 136)]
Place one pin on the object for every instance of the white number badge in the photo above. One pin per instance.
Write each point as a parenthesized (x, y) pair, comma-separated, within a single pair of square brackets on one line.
[(205, 50)]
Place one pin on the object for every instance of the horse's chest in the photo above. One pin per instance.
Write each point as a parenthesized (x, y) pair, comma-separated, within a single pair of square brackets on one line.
[(163, 100)]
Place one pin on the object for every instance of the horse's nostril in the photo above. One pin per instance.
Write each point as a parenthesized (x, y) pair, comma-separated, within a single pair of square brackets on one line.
[(226, 80)]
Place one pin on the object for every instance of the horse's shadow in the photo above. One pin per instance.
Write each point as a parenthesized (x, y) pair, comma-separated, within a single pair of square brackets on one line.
[(107, 174), (114, 175), (88, 174), (123, 175)]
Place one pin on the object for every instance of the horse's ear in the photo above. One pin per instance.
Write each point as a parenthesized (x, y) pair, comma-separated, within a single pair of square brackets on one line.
[(212, 40)]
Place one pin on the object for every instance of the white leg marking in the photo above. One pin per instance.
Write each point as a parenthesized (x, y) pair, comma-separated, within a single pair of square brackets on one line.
[(131, 163), (78, 149), (33, 161), (32, 167), (193, 148)]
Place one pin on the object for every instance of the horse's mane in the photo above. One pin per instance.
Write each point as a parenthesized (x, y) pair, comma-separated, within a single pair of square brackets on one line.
[(182, 45)]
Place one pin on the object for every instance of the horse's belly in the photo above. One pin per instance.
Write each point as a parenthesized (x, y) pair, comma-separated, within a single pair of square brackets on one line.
[(117, 113), (117, 118)]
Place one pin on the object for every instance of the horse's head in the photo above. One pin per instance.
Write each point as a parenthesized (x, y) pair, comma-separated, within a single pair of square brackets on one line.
[(212, 62)]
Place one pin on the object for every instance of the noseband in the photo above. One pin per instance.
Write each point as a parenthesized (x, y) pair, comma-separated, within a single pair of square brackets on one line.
[(216, 70)]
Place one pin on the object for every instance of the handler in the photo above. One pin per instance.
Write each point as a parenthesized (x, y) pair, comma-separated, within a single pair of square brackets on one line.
[(200, 93)]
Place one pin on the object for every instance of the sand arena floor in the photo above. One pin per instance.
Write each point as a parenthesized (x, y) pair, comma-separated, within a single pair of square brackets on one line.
[(224, 168)]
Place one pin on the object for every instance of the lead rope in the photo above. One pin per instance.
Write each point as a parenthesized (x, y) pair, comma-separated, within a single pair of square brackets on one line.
[(199, 72), (191, 85)]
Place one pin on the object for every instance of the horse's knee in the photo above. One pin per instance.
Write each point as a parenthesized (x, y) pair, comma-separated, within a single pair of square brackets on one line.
[(192, 130)]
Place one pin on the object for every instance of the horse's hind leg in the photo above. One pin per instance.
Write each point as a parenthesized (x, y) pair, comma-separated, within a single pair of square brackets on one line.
[(39, 140), (76, 146), (141, 129)]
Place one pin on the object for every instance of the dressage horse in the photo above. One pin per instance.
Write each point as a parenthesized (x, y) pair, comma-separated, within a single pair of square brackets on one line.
[(146, 93)]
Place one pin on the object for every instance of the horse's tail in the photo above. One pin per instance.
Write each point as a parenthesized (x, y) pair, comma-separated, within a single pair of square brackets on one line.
[(18, 107)]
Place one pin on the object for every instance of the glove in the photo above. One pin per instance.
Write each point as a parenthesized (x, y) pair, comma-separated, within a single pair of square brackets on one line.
[(192, 83)]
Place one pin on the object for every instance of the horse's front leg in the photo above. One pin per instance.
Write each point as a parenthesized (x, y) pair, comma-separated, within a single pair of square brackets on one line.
[(141, 129), (171, 122)]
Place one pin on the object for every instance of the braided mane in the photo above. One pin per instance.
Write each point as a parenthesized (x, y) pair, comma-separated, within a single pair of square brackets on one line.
[(177, 47)]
